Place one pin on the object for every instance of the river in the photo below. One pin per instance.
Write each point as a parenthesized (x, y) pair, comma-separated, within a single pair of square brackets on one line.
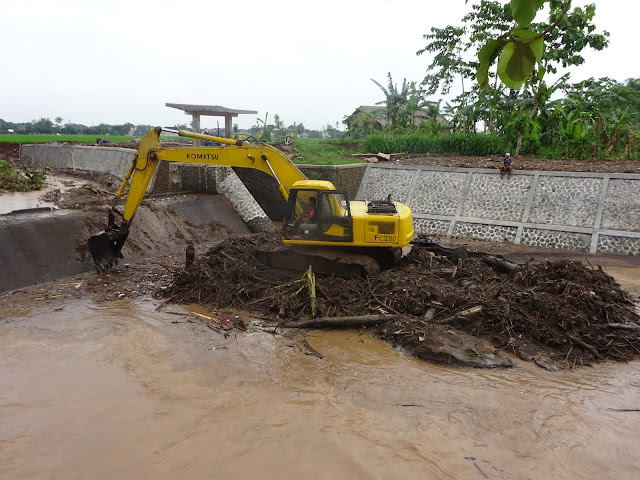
[(120, 390)]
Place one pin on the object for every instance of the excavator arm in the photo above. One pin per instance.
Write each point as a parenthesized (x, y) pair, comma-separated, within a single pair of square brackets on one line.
[(377, 228), (105, 247)]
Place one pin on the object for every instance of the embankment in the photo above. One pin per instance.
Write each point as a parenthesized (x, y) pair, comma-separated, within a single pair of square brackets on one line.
[(170, 178), (40, 247)]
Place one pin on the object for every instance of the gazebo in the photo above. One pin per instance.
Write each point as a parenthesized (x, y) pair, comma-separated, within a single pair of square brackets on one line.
[(196, 111)]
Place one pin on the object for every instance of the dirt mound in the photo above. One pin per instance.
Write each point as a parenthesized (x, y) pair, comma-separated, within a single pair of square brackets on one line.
[(84, 197), (229, 275), (10, 152), (553, 313)]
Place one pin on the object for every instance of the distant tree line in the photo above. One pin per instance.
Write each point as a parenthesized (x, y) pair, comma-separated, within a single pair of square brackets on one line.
[(46, 126), (276, 130)]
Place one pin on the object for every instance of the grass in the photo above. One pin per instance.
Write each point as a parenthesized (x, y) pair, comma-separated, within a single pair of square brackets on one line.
[(416, 144), (325, 151), (40, 138)]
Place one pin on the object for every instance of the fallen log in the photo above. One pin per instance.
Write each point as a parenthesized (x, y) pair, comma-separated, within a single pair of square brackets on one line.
[(341, 322), (500, 265), (433, 245), (378, 156)]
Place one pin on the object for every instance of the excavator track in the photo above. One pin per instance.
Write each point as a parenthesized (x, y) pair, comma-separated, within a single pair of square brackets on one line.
[(340, 262)]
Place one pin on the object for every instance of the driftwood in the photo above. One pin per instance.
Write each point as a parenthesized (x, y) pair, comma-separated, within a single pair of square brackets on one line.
[(500, 265), (464, 313), (452, 253), (585, 345), (312, 351), (430, 313), (378, 156), (341, 322)]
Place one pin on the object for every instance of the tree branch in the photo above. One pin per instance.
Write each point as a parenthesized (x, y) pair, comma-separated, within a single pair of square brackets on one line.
[(550, 27)]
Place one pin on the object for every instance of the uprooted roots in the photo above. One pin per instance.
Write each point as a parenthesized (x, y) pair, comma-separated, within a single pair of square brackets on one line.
[(579, 313)]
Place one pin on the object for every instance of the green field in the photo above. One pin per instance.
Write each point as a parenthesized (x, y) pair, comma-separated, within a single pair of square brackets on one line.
[(322, 151), (314, 151), (39, 138)]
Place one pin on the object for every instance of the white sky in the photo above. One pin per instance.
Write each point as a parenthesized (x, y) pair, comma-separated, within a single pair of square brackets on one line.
[(117, 61)]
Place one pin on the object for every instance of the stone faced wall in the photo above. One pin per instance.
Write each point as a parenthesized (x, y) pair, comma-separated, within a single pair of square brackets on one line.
[(580, 211)]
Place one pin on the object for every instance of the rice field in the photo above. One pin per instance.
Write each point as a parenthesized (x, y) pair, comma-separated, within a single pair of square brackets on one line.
[(323, 151), (41, 138)]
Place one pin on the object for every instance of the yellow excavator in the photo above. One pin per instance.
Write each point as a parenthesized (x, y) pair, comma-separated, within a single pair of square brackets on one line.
[(322, 227)]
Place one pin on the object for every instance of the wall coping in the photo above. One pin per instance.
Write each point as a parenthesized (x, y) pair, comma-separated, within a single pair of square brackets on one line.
[(546, 173), (337, 167)]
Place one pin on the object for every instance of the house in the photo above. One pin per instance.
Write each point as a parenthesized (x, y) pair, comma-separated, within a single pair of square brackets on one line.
[(140, 130), (370, 118)]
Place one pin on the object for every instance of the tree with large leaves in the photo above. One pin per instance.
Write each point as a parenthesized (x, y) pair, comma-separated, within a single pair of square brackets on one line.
[(401, 105), (524, 51), (504, 31), (521, 50)]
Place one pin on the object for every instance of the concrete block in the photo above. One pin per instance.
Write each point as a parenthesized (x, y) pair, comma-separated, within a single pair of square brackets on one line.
[(621, 209), (566, 201)]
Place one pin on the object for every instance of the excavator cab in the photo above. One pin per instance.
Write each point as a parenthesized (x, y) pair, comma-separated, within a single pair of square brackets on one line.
[(318, 216)]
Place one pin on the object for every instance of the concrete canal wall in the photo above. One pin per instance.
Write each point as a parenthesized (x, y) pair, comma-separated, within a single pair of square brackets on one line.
[(592, 212)]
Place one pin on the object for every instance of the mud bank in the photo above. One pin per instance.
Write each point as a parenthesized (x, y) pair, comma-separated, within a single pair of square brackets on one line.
[(38, 247)]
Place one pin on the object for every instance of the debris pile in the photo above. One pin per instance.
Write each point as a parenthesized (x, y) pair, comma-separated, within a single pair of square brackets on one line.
[(229, 276), (575, 315)]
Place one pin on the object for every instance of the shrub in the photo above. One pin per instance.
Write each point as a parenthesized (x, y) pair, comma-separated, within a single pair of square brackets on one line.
[(416, 143), (19, 180)]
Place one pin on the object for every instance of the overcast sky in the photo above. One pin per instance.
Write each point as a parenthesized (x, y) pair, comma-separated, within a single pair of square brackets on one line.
[(117, 61)]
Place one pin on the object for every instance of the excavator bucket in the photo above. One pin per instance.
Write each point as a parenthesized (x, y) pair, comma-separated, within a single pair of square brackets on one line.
[(105, 247)]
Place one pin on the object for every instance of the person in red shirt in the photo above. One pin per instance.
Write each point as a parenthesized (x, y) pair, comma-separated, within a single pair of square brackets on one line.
[(311, 215)]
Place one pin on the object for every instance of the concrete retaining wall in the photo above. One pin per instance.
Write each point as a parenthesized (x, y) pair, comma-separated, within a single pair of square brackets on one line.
[(112, 160), (592, 212), (170, 177), (582, 211)]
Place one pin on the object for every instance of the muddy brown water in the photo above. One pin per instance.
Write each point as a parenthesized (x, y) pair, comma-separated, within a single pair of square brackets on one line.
[(20, 201), (118, 390)]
